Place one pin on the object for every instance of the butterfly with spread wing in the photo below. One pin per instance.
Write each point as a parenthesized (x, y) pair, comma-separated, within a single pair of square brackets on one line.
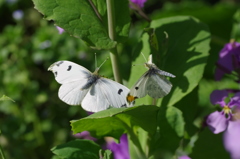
[(93, 92)]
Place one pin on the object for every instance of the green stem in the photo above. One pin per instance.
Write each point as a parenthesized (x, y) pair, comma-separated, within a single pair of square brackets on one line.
[(134, 139), (2, 156), (112, 36), (154, 101)]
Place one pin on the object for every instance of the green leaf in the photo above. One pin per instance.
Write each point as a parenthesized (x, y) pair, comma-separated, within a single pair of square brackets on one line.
[(121, 14), (236, 30), (185, 57), (78, 18), (122, 19), (116, 121), (77, 149), (166, 140), (4, 97), (175, 119), (152, 38), (209, 145)]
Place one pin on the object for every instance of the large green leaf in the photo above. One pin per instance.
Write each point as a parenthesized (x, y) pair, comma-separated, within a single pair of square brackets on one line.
[(185, 55), (170, 129), (78, 18), (77, 149), (114, 122)]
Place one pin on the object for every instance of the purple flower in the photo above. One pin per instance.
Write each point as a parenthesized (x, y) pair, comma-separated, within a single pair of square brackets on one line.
[(120, 151), (18, 14), (231, 139), (229, 60), (139, 3), (85, 135), (218, 121), (60, 30), (184, 157)]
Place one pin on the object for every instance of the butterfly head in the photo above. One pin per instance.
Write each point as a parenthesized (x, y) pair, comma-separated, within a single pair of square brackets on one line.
[(150, 65), (96, 71), (131, 99)]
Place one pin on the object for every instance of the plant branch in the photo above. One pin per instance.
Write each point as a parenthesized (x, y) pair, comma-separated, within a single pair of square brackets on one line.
[(112, 35), (95, 9)]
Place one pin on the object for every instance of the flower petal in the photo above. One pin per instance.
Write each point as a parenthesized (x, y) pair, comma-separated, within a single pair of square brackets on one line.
[(60, 30), (217, 122), (232, 140), (218, 96), (184, 157), (85, 135), (235, 101), (225, 59), (140, 3), (120, 151)]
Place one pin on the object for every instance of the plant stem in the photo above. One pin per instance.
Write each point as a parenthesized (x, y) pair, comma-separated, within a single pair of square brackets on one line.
[(112, 36), (135, 141), (154, 101), (2, 156)]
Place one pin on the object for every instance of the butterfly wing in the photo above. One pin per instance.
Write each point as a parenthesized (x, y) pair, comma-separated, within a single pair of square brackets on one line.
[(139, 89), (158, 86), (66, 71), (73, 78), (105, 93), (72, 92), (115, 92), (95, 100)]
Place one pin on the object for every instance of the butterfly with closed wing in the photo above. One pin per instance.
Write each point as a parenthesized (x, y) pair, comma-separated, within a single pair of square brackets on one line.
[(93, 92), (152, 82)]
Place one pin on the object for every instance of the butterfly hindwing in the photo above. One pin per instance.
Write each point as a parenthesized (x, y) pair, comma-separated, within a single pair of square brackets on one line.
[(95, 100), (116, 93), (66, 71), (158, 86)]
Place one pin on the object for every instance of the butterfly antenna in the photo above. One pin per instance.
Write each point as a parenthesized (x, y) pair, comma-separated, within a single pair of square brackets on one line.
[(103, 62), (144, 57)]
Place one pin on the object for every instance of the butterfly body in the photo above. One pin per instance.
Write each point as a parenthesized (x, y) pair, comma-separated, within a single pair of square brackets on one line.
[(152, 82), (93, 92)]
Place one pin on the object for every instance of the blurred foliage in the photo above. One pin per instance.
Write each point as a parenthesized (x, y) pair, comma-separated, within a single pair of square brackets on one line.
[(38, 120)]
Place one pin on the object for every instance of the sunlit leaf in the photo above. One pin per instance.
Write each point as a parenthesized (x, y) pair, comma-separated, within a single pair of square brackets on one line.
[(116, 121), (185, 57)]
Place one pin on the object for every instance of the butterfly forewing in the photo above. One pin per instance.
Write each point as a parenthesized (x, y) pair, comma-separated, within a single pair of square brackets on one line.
[(66, 71), (139, 90)]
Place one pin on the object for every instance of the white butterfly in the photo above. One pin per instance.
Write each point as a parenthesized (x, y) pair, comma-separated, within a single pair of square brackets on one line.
[(152, 82), (80, 86)]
